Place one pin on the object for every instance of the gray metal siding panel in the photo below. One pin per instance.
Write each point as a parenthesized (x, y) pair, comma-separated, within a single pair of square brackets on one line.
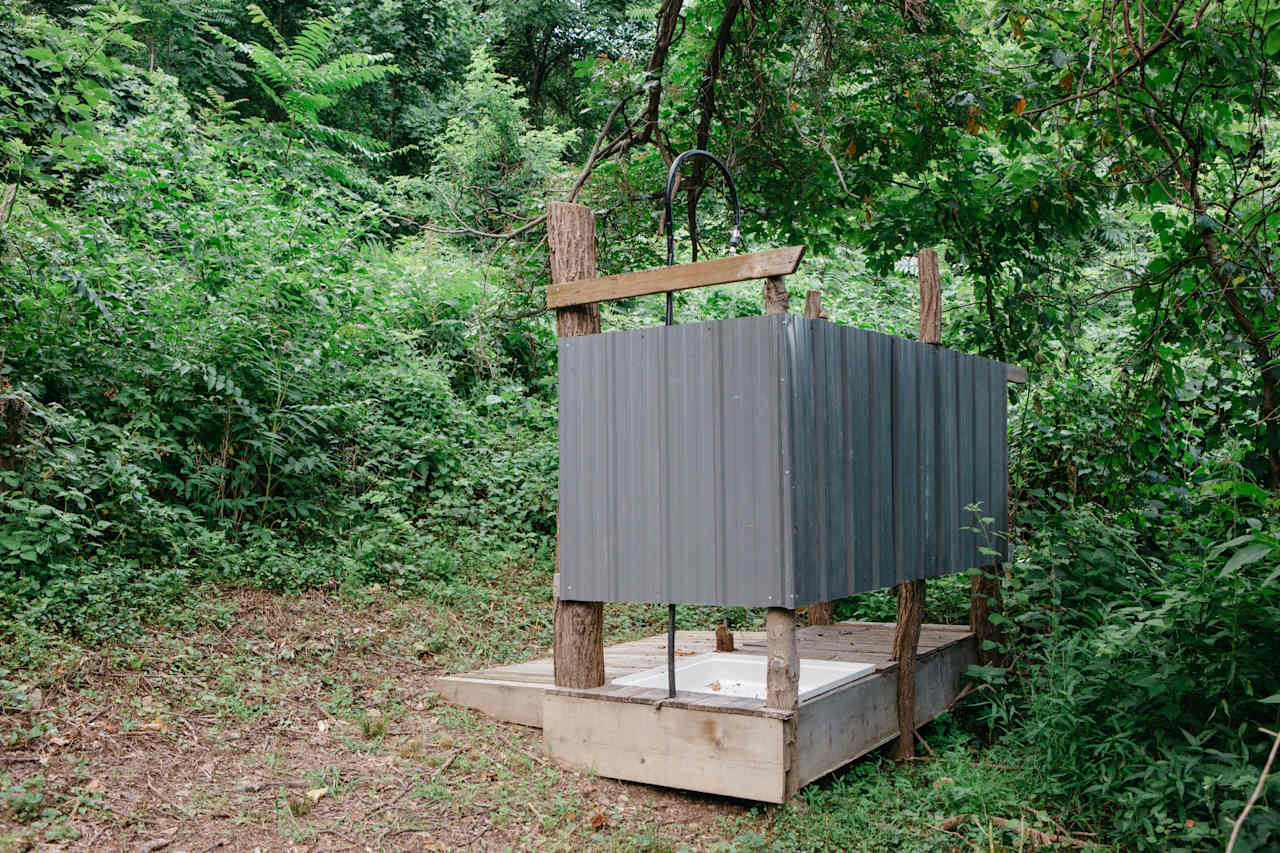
[(836, 502), (981, 452), (964, 456), (801, 374), (772, 460), (855, 380), (927, 377), (906, 460), (950, 511), (753, 478), (1000, 426), (879, 490)]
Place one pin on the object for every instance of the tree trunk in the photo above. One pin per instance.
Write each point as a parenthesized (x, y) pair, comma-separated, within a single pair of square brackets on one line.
[(906, 641), (911, 595), (985, 598), (782, 688), (1269, 411), (820, 612), (775, 295), (579, 625)]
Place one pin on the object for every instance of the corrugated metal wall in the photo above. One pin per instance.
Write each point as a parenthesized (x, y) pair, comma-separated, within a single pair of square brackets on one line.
[(771, 461)]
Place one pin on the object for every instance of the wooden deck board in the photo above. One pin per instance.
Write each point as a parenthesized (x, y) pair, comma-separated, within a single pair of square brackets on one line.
[(722, 744), (514, 692)]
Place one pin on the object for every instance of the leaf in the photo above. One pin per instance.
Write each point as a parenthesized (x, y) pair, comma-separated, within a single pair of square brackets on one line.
[(1273, 699), (40, 54), (315, 794), (1245, 556), (1271, 46)]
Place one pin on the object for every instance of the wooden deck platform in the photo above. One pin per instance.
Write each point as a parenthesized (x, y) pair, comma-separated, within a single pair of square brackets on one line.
[(721, 744)]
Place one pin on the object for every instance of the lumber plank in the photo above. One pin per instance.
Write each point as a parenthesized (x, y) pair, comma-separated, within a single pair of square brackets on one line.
[(775, 262), (735, 755), (509, 701), (837, 727)]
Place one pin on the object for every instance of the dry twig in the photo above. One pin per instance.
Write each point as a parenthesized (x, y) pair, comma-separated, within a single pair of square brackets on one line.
[(1037, 836), (1257, 791), (157, 844)]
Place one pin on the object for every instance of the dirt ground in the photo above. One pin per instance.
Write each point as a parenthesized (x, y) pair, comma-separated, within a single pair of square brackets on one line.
[(308, 724)]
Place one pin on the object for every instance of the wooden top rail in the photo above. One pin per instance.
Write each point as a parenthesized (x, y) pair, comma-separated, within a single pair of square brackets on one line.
[(683, 277), (768, 264)]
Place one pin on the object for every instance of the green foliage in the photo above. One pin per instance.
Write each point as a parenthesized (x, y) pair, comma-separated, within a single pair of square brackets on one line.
[(490, 166), (228, 356), (226, 378), (302, 83), (1152, 628), (56, 90)]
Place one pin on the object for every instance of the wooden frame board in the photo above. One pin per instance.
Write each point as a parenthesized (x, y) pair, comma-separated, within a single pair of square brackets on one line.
[(774, 262), (720, 744), (735, 750)]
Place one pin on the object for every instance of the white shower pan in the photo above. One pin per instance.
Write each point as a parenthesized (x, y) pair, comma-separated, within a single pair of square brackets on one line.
[(731, 674)]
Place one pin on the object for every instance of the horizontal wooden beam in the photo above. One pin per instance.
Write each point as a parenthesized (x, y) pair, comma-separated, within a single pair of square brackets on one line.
[(682, 277), (1017, 373)]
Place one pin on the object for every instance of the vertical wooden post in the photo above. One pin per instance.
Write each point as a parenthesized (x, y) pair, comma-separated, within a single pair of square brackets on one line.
[(813, 305), (775, 295), (985, 598), (578, 640), (930, 297), (911, 595), (782, 678), (820, 612)]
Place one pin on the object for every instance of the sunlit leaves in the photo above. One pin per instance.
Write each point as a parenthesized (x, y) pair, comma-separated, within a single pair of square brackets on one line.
[(304, 85)]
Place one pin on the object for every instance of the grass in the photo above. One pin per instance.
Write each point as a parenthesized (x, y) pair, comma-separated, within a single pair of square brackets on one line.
[(223, 730)]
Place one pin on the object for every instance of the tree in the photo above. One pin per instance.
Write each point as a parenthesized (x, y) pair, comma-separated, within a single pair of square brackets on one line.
[(303, 84), (1176, 105), (491, 168)]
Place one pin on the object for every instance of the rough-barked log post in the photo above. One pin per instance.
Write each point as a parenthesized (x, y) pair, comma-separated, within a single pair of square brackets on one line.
[(911, 595), (782, 678), (775, 295), (578, 641), (813, 305), (724, 638), (985, 598), (820, 612), (782, 687), (906, 641)]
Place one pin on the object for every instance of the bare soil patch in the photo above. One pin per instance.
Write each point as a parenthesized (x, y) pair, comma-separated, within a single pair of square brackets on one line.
[(309, 723)]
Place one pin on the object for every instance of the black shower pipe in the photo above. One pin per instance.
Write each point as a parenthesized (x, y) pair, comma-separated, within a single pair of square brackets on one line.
[(735, 237)]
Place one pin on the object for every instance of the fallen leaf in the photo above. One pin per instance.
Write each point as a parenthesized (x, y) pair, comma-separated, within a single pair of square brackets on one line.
[(95, 786), (599, 821), (315, 794)]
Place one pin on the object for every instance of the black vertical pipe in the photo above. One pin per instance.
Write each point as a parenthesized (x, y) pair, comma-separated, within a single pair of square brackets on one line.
[(734, 238), (671, 650)]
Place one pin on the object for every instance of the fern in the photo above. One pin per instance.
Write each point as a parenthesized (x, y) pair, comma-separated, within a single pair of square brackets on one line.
[(297, 78)]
